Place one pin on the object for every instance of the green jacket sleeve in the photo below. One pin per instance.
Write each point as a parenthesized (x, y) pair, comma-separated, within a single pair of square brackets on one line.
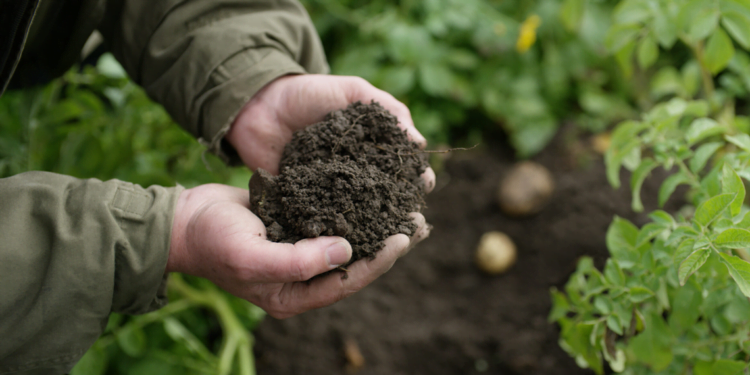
[(204, 59), (71, 252)]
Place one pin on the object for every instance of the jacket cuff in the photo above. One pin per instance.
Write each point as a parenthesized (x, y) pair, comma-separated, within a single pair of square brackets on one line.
[(145, 217), (223, 102)]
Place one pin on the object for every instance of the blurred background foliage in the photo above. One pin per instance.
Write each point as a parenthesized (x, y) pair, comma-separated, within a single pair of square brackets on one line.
[(462, 66), (465, 65)]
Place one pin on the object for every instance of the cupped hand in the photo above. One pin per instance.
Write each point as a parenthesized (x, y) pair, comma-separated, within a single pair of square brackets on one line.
[(292, 102), (216, 236)]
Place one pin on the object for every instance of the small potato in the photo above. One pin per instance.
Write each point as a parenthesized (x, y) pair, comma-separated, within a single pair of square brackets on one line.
[(526, 189), (496, 253)]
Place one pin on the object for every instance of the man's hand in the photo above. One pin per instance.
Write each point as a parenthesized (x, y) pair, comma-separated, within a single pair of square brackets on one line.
[(293, 102), (216, 236)]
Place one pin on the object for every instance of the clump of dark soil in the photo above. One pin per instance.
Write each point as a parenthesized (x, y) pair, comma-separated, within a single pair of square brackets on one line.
[(354, 175)]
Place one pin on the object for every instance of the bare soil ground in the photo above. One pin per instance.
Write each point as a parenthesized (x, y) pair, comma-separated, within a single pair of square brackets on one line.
[(435, 312)]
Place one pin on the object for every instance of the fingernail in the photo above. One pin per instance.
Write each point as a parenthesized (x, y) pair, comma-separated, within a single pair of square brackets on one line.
[(338, 253)]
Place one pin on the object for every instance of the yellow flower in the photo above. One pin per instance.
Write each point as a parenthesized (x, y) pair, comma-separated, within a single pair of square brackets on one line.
[(527, 36)]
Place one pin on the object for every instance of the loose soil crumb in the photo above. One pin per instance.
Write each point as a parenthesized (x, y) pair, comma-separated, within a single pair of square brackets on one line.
[(354, 175)]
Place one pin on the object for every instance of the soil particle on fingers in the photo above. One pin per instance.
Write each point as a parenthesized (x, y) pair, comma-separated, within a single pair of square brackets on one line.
[(354, 175)]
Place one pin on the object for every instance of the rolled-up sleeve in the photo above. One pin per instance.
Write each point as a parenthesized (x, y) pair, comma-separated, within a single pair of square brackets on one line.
[(204, 59), (71, 252)]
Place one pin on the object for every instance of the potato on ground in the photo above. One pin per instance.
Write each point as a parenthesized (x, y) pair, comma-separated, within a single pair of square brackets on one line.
[(496, 253), (526, 189)]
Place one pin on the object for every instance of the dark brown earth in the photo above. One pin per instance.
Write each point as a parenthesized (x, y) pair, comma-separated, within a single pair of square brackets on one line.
[(354, 175), (434, 312)]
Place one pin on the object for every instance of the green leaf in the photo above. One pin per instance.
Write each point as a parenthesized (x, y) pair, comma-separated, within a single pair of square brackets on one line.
[(712, 208), (620, 35), (732, 183), (560, 306), (624, 58), (686, 308), (647, 233), (648, 52), (675, 108), (702, 128), (702, 155), (132, 340), (743, 222), (740, 140), (665, 28), (719, 50), (602, 305), (727, 367), (613, 273), (180, 333), (652, 346), (435, 79), (738, 310), (669, 185), (666, 81), (614, 324), (636, 181), (738, 26), (733, 238), (692, 263), (577, 337), (711, 183), (397, 80), (632, 159), (631, 12), (621, 239), (639, 294), (720, 325), (463, 59), (571, 14), (740, 272), (533, 135), (697, 108), (686, 248), (625, 132), (614, 157), (703, 23), (662, 296), (702, 368), (662, 217)]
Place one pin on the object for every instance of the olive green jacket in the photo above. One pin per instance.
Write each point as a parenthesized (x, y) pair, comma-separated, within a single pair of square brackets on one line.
[(72, 251)]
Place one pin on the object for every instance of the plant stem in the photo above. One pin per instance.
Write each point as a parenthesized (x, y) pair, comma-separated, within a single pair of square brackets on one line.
[(237, 340), (694, 180), (143, 320), (706, 77)]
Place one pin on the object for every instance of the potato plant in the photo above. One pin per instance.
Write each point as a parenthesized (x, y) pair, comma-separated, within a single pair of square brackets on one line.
[(673, 296), (464, 65)]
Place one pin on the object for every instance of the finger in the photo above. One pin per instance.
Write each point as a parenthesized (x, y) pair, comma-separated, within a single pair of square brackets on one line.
[(422, 231), (429, 179), (361, 90), (270, 262), (296, 298)]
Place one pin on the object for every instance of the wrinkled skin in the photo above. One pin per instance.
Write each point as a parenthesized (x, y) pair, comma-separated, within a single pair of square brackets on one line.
[(216, 236)]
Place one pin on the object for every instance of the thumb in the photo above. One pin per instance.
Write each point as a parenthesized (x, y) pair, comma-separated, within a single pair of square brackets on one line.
[(281, 263)]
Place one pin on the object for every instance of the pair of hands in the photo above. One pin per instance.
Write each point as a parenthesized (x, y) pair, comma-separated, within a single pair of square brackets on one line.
[(215, 235)]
